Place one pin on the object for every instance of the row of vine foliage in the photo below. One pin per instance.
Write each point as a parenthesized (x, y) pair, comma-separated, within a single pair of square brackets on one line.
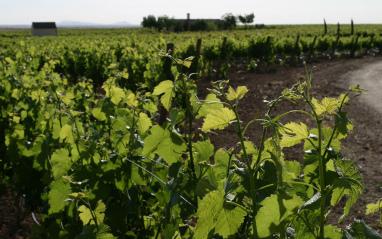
[(94, 163), (96, 58)]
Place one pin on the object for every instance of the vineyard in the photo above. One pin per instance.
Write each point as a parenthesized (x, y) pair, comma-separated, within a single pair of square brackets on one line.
[(108, 134)]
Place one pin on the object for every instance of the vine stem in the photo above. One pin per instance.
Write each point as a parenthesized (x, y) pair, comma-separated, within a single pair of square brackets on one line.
[(186, 93), (321, 168), (322, 182), (250, 170)]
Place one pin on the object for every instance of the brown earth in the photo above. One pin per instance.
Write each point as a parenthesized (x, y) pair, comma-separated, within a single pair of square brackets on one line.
[(330, 79)]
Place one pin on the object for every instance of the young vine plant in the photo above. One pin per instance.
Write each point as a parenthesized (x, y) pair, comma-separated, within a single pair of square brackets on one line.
[(106, 168)]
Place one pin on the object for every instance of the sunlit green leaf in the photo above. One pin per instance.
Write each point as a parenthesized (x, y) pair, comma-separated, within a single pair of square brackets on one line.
[(276, 213), (66, 133), (164, 143), (328, 105), (214, 215), (211, 102), (59, 191), (166, 88), (203, 151), (67, 98), (61, 163), (218, 119), (238, 94), (113, 92), (300, 132), (144, 122), (374, 207), (98, 114)]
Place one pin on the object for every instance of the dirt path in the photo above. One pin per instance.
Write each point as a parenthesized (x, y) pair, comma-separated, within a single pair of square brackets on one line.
[(370, 78), (365, 141)]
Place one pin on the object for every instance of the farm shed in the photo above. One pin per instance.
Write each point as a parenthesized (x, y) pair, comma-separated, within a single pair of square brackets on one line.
[(44, 29)]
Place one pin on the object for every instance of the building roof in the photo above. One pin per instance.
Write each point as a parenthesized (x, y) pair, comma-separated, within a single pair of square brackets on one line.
[(43, 25)]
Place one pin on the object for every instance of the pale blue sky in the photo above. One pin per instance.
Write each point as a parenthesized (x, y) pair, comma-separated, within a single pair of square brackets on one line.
[(132, 11)]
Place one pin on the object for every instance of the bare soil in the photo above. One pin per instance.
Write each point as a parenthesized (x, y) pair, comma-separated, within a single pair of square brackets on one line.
[(330, 79)]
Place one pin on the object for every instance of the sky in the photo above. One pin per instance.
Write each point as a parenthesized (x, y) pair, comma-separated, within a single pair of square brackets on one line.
[(132, 11)]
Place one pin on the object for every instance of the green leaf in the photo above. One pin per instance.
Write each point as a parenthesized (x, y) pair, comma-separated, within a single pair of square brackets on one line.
[(87, 217), (85, 214), (218, 172), (188, 61), (300, 131), (211, 102), (177, 116), (56, 129), (203, 187), (144, 122), (166, 88), (115, 93), (328, 105), (68, 98), (66, 134), (61, 163), (19, 55), (98, 114), (131, 99), (164, 143), (349, 183), (151, 142), (238, 94), (218, 119), (15, 93), (343, 124), (280, 169), (332, 232), (306, 224), (293, 168), (59, 191), (313, 202), (203, 151), (250, 149), (335, 144), (374, 207), (214, 215), (359, 230), (276, 213)]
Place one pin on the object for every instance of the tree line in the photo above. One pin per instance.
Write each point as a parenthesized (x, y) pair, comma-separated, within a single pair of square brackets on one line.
[(227, 22)]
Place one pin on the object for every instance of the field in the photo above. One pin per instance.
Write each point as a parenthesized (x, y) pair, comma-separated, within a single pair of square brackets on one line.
[(88, 144)]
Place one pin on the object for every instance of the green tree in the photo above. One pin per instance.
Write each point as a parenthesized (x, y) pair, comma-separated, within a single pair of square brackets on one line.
[(229, 21), (149, 21), (199, 25), (164, 22), (246, 19)]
